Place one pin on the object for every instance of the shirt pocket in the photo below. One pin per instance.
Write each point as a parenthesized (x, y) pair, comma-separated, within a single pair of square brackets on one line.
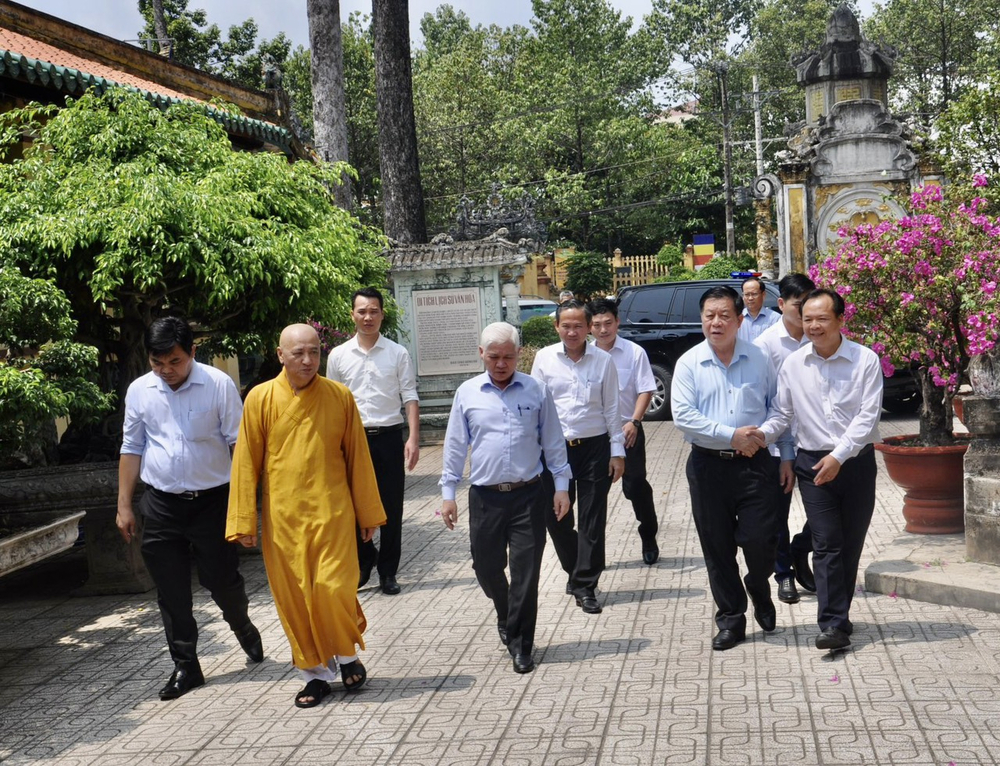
[(750, 399), (202, 426), (844, 396)]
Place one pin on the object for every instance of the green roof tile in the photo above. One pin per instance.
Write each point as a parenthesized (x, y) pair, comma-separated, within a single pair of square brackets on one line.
[(74, 82)]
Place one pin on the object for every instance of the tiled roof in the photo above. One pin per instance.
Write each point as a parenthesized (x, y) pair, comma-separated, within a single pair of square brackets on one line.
[(29, 60), (444, 253)]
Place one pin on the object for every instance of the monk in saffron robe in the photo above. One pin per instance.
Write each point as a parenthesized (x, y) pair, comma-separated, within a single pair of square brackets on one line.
[(302, 440)]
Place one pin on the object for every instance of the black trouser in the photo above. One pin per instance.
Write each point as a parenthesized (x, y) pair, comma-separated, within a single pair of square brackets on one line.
[(839, 513), (386, 449), (581, 553), (637, 490), (513, 520), (789, 547), (175, 531), (733, 502)]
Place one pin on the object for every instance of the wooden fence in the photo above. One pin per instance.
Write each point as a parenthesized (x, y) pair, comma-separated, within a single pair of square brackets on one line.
[(636, 269)]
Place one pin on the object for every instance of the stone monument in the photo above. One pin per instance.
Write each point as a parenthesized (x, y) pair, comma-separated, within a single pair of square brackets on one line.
[(448, 290), (850, 157)]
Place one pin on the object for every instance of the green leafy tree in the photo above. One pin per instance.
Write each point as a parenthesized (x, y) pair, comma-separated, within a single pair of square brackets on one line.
[(722, 266), (589, 275), (939, 43), (43, 374), (195, 42), (136, 212)]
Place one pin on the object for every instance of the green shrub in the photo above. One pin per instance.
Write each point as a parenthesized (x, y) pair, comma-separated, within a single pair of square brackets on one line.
[(539, 332)]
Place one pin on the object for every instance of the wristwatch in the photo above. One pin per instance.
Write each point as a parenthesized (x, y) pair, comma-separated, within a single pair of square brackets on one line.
[(635, 422)]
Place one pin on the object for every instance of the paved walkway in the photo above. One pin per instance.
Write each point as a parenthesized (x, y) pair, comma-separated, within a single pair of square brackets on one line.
[(637, 684)]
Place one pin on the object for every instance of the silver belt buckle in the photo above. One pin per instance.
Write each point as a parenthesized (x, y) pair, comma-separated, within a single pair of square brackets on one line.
[(503, 487)]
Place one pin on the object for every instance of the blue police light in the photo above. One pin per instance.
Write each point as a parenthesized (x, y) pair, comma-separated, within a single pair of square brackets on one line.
[(744, 274)]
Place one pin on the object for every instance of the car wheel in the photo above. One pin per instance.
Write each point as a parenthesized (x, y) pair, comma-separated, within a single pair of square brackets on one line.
[(659, 405), (903, 405)]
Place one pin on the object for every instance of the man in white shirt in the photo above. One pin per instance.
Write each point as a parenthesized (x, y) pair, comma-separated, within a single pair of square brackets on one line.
[(584, 386), (756, 316), (831, 390), (181, 421), (778, 341), (379, 374), (636, 385)]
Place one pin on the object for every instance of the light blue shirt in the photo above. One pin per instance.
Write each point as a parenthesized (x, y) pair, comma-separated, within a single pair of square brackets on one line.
[(710, 401), (752, 327), (508, 430), (184, 435)]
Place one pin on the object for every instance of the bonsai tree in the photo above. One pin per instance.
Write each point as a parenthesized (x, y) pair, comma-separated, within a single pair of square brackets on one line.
[(136, 211), (43, 374), (922, 292)]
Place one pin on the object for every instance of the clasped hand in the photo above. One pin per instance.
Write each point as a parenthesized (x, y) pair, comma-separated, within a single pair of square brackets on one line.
[(747, 440)]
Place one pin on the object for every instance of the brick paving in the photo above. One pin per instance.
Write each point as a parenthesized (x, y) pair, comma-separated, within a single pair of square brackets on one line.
[(638, 684)]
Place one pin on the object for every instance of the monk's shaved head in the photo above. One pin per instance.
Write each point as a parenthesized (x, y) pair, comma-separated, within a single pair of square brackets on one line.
[(299, 353), (297, 333)]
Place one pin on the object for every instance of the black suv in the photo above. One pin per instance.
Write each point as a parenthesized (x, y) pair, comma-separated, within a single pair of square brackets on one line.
[(665, 320)]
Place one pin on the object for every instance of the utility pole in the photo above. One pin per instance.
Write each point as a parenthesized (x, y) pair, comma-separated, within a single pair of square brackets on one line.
[(758, 129), (722, 70)]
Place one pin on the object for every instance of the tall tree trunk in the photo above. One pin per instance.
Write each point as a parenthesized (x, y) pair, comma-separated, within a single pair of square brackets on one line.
[(160, 28), (402, 195), (329, 109)]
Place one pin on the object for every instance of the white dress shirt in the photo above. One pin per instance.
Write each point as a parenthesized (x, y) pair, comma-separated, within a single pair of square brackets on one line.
[(381, 379), (585, 393), (778, 345), (508, 430), (635, 376), (184, 435), (835, 404), (752, 327)]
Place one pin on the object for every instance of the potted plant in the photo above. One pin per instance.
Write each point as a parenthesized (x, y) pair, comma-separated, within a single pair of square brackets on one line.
[(922, 292)]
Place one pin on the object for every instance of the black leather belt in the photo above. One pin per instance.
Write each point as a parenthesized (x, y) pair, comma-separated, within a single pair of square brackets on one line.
[(376, 430), (191, 494), (821, 453), (584, 440), (511, 485), (725, 454)]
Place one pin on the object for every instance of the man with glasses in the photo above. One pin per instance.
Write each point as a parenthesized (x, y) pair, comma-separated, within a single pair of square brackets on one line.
[(756, 316)]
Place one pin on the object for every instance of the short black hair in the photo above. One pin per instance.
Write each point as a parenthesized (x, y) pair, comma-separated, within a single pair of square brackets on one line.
[(723, 292), (573, 304), (368, 292), (165, 333), (793, 285), (758, 280), (838, 301), (604, 306)]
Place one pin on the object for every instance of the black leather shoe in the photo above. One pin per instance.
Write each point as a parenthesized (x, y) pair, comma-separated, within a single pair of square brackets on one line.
[(588, 603), (182, 681), (569, 587), (249, 639), (502, 631), (523, 663), (787, 594), (366, 574), (650, 555), (726, 639), (832, 638), (765, 615), (389, 585), (803, 574)]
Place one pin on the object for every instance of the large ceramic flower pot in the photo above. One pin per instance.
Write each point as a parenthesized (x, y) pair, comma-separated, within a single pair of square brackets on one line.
[(932, 480)]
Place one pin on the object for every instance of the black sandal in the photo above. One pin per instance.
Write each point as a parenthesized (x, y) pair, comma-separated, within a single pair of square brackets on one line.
[(317, 689), (350, 669)]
